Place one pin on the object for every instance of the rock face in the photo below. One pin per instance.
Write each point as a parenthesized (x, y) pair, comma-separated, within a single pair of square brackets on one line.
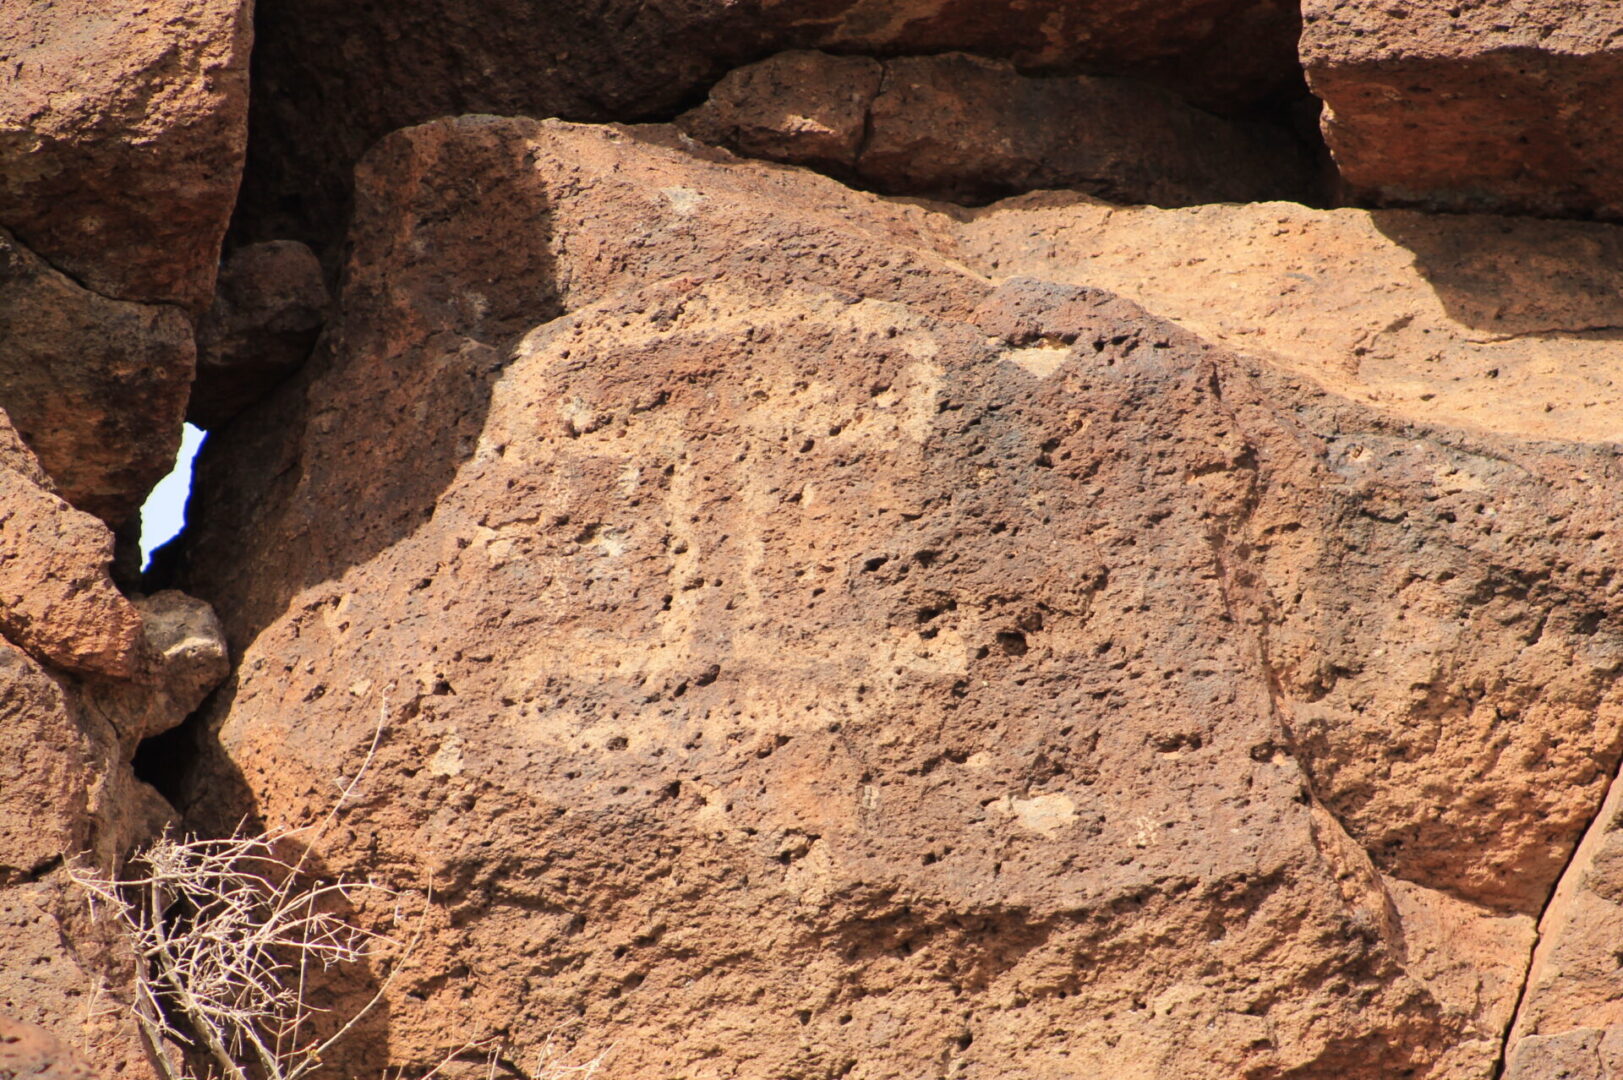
[(1047, 690), (85, 675), (96, 387), (332, 76), (27, 1052), (1492, 105), (968, 129), (781, 631), (122, 127), (266, 314), (121, 133)]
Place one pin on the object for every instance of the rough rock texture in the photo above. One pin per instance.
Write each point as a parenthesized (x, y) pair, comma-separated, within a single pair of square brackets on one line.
[(810, 650), (1570, 1023), (122, 132), (969, 129), (122, 126), (1495, 104), (27, 1052), (96, 387), (266, 314), (85, 674), (333, 76), (1497, 324)]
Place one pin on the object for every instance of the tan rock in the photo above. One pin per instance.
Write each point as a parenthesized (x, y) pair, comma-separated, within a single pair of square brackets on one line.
[(1498, 325), (968, 129), (808, 648), (1493, 105), (1432, 698), (121, 139)]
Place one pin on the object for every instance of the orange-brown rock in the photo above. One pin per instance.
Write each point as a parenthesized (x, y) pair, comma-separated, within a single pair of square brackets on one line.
[(1490, 105), (122, 125), (332, 76), (808, 648), (56, 599), (968, 129), (85, 675), (28, 1052), (96, 387)]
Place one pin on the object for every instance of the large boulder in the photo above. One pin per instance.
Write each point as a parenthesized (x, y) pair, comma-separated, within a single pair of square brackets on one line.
[(1043, 689), (333, 76), (96, 387), (1492, 105), (122, 130), (968, 129), (121, 137), (85, 676)]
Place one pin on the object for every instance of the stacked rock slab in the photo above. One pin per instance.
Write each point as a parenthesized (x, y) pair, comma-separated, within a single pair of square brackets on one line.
[(968, 129), (807, 654), (122, 127), (332, 76), (1488, 105)]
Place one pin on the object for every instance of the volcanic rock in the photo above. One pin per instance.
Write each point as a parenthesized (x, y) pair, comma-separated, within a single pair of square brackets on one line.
[(332, 76), (1006, 659), (1491, 105), (95, 387), (28, 1052), (267, 311), (968, 129), (122, 125), (56, 599), (85, 675)]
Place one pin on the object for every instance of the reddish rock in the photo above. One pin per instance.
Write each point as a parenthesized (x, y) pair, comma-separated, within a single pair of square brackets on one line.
[(96, 387), (1007, 660), (121, 139), (85, 675), (56, 599), (266, 313), (28, 1052), (1495, 104), (968, 129), (332, 77)]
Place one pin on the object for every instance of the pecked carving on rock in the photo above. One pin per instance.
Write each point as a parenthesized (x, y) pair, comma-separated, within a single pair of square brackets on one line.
[(1006, 659)]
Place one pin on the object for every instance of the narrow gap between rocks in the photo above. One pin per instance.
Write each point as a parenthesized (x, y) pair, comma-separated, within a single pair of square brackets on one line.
[(1565, 883)]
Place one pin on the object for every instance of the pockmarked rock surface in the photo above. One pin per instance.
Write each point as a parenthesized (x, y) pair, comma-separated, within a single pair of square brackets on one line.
[(1497, 105), (122, 128), (96, 387), (1497, 324), (85, 675), (28, 1052), (969, 129), (332, 76), (811, 643)]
